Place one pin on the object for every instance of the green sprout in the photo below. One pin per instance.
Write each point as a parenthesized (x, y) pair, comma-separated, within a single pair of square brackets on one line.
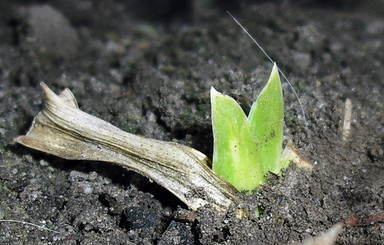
[(246, 148)]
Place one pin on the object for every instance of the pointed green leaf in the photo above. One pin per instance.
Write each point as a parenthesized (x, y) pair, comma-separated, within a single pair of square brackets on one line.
[(266, 119), (236, 157)]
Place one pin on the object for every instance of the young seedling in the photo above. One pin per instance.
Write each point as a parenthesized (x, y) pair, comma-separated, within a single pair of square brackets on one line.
[(246, 148)]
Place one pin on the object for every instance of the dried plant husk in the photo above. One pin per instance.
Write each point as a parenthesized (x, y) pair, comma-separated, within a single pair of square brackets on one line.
[(62, 129)]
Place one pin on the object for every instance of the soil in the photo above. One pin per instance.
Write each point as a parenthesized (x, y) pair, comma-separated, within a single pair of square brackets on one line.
[(148, 68)]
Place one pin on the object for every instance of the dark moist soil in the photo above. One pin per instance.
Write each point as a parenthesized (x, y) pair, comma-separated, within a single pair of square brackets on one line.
[(148, 68)]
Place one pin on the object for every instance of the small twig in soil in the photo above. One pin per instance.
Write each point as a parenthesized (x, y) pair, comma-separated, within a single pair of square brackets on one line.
[(347, 120), (370, 220)]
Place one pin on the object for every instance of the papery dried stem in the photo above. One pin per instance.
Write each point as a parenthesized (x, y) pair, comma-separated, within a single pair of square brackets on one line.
[(62, 129)]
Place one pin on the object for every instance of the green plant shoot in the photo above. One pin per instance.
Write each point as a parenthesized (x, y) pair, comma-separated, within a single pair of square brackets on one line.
[(267, 120), (236, 156), (245, 149)]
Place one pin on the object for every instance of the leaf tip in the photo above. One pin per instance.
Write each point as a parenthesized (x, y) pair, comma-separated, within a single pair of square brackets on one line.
[(214, 92), (275, 71)]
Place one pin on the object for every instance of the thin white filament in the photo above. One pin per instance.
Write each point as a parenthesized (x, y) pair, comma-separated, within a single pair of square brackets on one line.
[(265, 53), (31, 224)]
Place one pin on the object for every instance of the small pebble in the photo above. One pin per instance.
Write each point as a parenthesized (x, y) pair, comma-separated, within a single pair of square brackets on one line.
[(167, 212), (93, 175), (43, 163), (88, 190), (28, 158), (14, 171)]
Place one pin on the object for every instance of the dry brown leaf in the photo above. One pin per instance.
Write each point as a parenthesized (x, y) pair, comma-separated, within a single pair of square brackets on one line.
[(62, 129)]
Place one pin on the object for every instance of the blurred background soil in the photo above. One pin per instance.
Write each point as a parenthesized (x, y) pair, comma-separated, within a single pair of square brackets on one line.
[(147, 67)]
